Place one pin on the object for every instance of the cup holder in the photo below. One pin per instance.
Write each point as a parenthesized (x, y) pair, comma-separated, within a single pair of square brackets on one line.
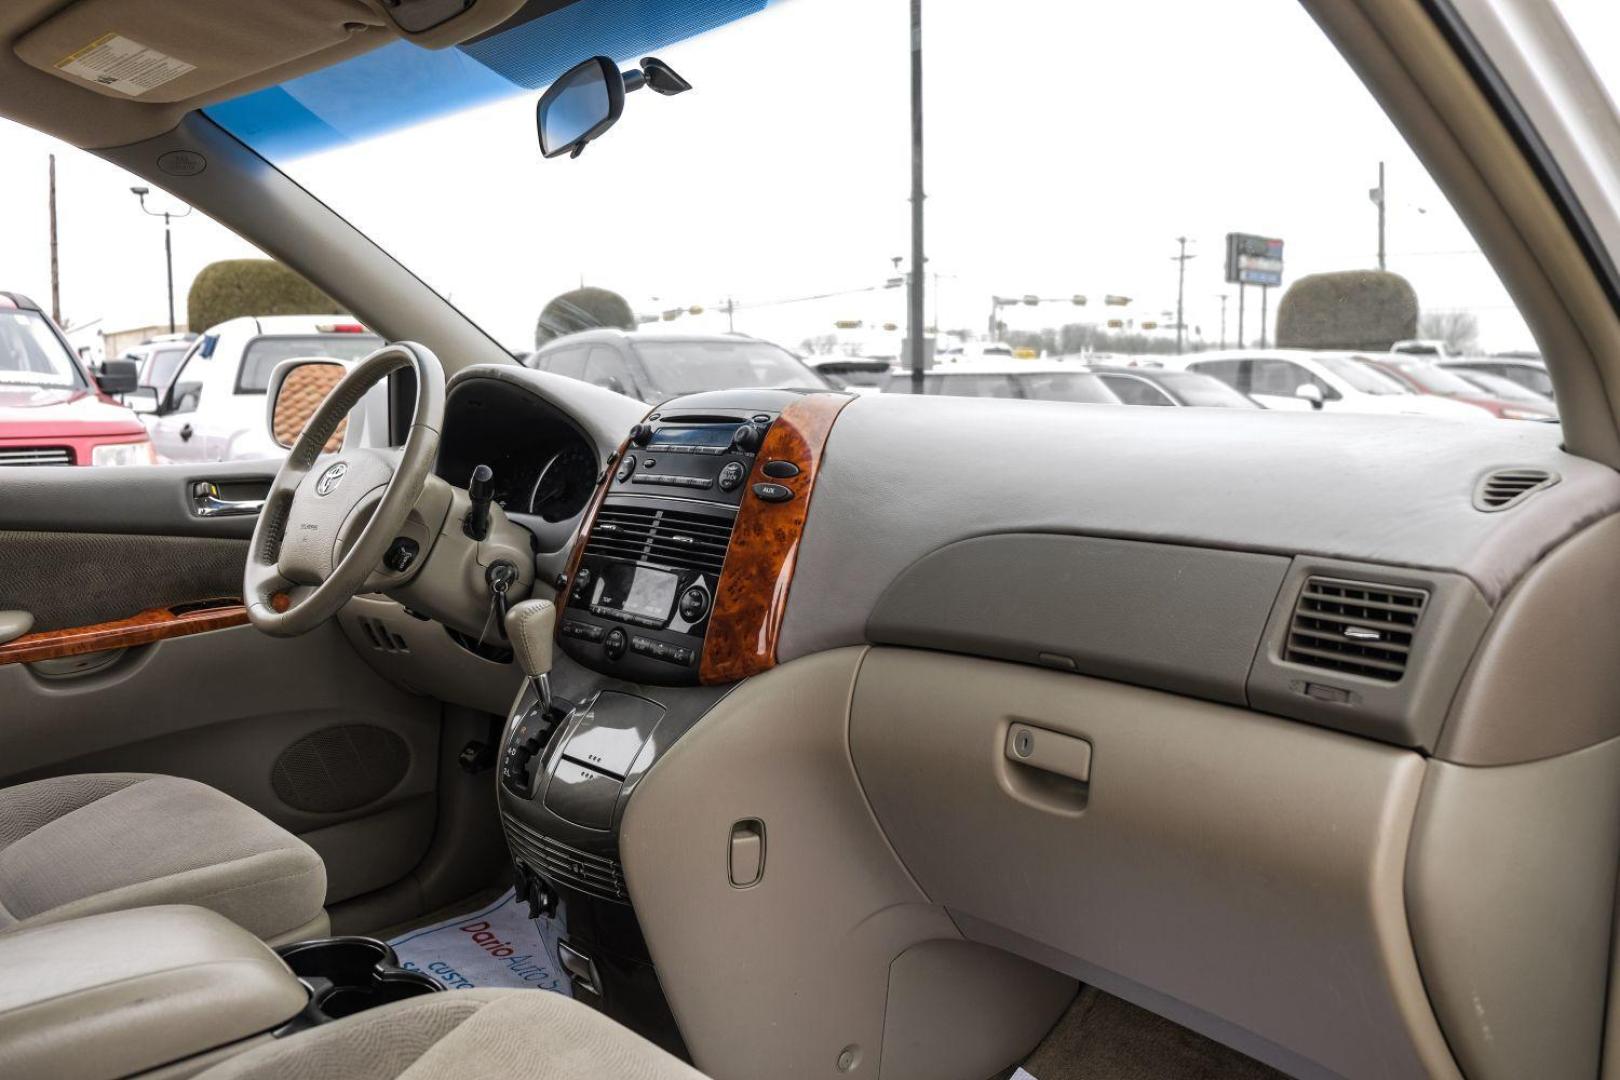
[(348, 975)]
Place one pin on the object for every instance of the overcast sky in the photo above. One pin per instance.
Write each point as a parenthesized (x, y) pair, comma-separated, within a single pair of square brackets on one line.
[(1068, 146)]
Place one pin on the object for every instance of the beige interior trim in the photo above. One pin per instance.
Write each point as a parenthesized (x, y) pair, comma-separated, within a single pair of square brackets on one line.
[(1246, 866), (786, 977), (1401, 55), (1545, 680), (122, 992)]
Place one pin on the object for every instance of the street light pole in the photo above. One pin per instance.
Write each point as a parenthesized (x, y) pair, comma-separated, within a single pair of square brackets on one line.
[(1181, 289), (168, 243), (1223, 297), (1378, 196), (914, 295)]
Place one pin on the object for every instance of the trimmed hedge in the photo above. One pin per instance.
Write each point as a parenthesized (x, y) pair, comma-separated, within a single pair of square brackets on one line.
[(1347, 309), (587, 308), (235, 287)]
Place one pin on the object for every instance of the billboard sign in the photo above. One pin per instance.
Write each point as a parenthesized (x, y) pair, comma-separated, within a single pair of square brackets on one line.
[(1253, 260)]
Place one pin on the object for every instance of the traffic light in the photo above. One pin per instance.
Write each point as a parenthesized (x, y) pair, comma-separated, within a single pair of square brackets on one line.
[(1116, 324), (848, 324), (1116, 301), (695, 309), (1077, 300), (1149, 324)]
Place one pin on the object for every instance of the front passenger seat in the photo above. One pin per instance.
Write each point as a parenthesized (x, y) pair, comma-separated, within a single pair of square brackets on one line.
[(80, 845), (463, 1035)]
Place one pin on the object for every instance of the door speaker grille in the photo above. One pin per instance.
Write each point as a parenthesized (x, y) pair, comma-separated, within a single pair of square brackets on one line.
[(340, 768)]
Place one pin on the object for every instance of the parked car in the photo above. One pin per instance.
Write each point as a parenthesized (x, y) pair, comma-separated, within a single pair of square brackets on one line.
[(1425, 377), (213, 409), (158, 359), (52, 411), (1156, 386), (1311, 379), (1432, 348), (653, 366), (1506, 389), (861, 374), (1019, 379), (1530, 374)]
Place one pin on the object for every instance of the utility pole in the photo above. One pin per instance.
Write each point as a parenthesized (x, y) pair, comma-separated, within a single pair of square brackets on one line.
[(1377, 195), (914, 295), (731, 323), (1181, 289), (56, 282), (1223, 297), (1240, 341)]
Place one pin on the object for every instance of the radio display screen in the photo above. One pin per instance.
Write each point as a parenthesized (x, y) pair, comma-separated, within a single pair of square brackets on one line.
[(637, 590), (706, 435)]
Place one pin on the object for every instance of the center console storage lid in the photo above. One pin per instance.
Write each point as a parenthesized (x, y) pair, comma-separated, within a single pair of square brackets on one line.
[(115, 994)]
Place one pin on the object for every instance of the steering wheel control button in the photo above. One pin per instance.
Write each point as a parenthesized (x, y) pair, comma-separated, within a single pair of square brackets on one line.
[(731, 477), (774, 493), (402, 554), (780, 470), (694, 604), (615, 643)]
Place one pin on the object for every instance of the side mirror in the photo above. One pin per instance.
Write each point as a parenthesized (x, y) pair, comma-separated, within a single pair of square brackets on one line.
[(1310, 392), (297, 388), (118, 377), (586, 101)]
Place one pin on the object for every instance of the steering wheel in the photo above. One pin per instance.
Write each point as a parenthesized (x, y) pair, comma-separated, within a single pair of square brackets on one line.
[(327, 521)]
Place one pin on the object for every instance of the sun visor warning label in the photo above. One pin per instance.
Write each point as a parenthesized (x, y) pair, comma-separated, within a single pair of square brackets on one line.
[(118, 63)]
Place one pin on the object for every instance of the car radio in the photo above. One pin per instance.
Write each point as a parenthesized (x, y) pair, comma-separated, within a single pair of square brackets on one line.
[(639, 603)]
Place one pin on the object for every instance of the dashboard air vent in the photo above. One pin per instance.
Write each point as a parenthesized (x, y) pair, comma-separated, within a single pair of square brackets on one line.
[(1500, 489), (670, 538), (1355, 627)]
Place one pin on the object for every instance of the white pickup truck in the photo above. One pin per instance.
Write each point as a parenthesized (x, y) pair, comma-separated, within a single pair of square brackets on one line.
[(213, 409)]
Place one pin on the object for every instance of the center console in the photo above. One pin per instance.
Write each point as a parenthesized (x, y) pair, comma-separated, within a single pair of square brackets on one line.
[(675, 590)]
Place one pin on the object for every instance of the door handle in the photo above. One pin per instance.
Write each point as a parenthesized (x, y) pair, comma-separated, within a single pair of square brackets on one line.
[(206, 501), (186, 433)]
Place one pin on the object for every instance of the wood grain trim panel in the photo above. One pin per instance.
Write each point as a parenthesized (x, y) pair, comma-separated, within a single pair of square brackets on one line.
[(752, 595), (154, 624)]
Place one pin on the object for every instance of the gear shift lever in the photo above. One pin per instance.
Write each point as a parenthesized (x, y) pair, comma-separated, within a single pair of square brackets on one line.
[(529, 626)]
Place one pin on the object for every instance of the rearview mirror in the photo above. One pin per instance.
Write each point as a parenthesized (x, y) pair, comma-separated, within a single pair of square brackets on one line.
[(118, 377), (1309, 392), (297, 388), (589, 97), (578, 107)]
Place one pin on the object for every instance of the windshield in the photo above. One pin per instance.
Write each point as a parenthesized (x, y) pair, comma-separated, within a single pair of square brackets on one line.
[(164, 363), (1361, 377), (1506, 389), (685, 367), (1195, 389), (264, 353), (32, 355), (1433, 379), (1063, 386), (1060, 224)]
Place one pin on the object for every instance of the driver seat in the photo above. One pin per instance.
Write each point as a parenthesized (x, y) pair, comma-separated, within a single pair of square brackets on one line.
[(81, 845)]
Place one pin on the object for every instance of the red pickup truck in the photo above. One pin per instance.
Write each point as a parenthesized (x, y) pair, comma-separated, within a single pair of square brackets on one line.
[(52, 412)]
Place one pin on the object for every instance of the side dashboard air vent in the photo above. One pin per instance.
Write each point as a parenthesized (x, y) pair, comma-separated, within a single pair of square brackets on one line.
[(1500, 489), (1355, 627), (672, 538)]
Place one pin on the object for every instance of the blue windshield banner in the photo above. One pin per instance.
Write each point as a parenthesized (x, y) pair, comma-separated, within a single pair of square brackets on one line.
[(400, 85)]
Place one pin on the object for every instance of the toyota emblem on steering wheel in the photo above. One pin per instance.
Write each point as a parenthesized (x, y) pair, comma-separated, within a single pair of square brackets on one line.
[(330, 478)]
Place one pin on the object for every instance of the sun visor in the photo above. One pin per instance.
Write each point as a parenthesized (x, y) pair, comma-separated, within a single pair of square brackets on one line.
[(160, 51)]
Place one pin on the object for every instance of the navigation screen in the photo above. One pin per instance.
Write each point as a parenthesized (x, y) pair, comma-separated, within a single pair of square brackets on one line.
[(707, 435), (637, 590)]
